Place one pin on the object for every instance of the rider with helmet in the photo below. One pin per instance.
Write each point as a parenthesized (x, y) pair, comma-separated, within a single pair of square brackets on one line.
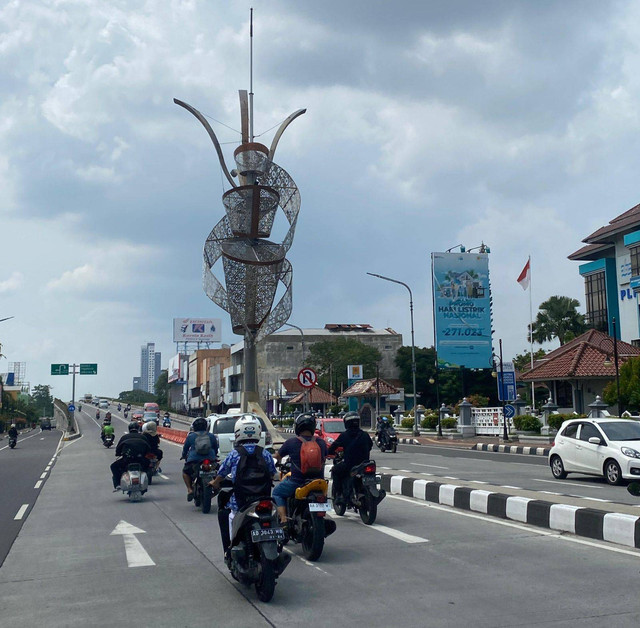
[(150, 432), (356, 444), (199, 429), (132, 447), (304, 428), (247, 434), (13, 431)]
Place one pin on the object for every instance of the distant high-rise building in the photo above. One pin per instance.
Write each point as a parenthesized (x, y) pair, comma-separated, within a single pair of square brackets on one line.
[(137, 383), (149, 366)]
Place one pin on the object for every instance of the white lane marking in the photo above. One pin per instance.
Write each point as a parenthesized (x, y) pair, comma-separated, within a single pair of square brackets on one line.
[(568, 483), (163, 476), (19, 440), (449, 477), (593, 499), (47, 468), (137, 556), (560, 536), (21, 512), (42, 438), (308, 563), (71, 442), (429, 474), (397, 534), (43, 476), (418, 464), (38, 484), (478, 482), (514, 487)]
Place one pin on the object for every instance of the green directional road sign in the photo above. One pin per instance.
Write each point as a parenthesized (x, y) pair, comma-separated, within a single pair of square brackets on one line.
[(88, 369), (59, 369)]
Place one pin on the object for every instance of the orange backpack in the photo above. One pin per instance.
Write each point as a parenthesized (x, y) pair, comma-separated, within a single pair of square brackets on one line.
[(311, 462)]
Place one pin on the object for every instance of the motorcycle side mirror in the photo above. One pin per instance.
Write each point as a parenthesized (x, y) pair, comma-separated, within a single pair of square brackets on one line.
[(634, 489)]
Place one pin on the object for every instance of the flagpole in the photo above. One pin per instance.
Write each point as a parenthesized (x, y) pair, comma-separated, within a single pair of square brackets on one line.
[(533, 399)]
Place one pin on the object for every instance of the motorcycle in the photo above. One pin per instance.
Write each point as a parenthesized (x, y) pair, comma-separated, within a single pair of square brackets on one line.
[(256, 556), (107, 441), (153, 466), (126, 414), (202, 492), (387, 439), (134, 482), (360, 491), (12, 442), (119, 407), (166, 422), (306, 513)]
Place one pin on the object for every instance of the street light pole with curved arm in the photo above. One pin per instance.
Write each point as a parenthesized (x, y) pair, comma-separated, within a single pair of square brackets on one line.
[(416, 430)]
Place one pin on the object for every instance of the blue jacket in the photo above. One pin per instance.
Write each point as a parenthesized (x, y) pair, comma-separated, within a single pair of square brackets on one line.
[(189, 451)]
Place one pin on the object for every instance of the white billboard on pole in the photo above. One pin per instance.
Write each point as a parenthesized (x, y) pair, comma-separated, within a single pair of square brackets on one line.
[(197, 330)]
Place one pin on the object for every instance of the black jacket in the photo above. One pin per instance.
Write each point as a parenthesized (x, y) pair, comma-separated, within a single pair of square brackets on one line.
[(356, 444), (132, 446)]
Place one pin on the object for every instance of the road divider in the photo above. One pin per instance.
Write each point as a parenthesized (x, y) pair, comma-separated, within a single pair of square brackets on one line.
[(176, 436), (513, 449), (620, 528)]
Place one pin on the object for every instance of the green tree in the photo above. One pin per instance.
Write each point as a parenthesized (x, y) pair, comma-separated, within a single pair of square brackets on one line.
[(161, 388), (629, 376), (42, 401), (522, 361), (136, 396), (558, 318), (425, 370), (335, 355)]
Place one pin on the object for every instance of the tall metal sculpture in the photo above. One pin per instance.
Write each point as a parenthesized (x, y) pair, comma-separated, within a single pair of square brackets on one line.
[(253, 265)]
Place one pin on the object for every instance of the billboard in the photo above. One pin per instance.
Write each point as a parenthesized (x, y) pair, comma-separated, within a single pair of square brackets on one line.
[(174, 369), (354, 371), (462, 309), (197, 330)]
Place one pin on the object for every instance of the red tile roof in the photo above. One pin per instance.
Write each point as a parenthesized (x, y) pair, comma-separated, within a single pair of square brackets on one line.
[(315, 395), (368, 388), (583, 356), (590, 249), (625, 220), (292, 385)]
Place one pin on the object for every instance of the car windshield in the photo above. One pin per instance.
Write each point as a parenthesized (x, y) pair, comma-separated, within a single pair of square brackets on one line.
[(227, 425), (150, 415), (621, 430), (333, 427)]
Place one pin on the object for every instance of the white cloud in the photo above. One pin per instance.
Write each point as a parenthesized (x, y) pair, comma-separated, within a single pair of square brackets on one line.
[(12, 283)]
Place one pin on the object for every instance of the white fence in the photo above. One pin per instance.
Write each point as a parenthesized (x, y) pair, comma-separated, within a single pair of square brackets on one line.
[(489, 421)]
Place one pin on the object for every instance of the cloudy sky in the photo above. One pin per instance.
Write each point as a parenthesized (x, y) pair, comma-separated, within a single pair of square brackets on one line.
[(428, 124)]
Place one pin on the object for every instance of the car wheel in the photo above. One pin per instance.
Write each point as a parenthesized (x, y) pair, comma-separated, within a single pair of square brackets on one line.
[(612, 472), (557, 468)]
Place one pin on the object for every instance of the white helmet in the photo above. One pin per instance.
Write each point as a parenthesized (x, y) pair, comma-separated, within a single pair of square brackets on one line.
[(150, 426), (247, 428)]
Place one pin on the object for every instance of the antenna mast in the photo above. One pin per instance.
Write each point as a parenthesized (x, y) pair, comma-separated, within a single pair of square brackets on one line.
[(251, 77)]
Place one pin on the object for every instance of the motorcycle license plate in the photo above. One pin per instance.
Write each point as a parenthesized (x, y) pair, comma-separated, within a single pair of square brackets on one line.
[(267, 534), (369, 479), (314, 507)]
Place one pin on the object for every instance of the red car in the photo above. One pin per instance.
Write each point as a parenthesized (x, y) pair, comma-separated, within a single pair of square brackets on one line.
[(329, 429)]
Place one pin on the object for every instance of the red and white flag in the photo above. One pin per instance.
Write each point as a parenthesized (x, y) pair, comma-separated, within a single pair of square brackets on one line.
[(525, 276)]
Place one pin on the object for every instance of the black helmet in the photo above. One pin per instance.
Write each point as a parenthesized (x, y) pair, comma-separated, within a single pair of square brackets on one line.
[(351, 420), (304, 422), (134, 427), (200, 425)]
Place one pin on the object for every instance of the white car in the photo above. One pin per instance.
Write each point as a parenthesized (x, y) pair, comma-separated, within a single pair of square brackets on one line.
[(104, 403), (604, 447), (223, 425)]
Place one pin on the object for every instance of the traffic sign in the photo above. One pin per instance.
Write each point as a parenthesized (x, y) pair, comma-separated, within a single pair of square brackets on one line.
[(307, 377), (509, 411), (59, 369), (88, 369), (71, 408), (507, 382)]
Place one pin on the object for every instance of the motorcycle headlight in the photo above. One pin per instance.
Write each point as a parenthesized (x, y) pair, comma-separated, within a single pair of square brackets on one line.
[(330, 440), (631, 453)]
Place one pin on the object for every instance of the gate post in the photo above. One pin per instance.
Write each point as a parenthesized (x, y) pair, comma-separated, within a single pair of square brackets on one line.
[(466, 429)]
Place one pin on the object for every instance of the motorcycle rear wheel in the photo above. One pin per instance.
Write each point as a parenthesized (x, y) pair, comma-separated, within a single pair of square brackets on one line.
[(368, 509), (197, 495), (339, 508), (313, 539), (266, 585), (206, 499), (395, 448)]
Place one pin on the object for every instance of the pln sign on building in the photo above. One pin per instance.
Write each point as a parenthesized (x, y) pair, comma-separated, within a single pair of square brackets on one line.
[(462, 309)]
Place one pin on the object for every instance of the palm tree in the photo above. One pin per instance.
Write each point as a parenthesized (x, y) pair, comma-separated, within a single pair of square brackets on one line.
[(558, 318)]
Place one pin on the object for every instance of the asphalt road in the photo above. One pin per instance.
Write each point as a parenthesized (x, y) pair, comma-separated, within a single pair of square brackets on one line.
[(23, 470), (421, 565)]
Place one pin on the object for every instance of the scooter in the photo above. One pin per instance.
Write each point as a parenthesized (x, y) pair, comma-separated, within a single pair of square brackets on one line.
[(107, 441), (12, 442), (360, 491), (166, 422), (306, 513), (256, 555), (387, 439), (134, 482), (202, 492), (153, 466)]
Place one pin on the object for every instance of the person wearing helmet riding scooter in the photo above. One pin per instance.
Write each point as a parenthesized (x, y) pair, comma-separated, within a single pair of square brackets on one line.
[(150, 432), (304, 428), (356, 444), (13, 431), (132, 447), (247, 434), (199, 428)]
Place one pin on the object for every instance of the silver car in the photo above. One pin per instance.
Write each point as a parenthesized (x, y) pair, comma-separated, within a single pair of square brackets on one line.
[(223, 425)]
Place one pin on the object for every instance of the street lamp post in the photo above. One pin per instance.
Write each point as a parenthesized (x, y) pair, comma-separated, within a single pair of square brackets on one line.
[(416, 431), (305, 404), (615, 361), (505, 435)]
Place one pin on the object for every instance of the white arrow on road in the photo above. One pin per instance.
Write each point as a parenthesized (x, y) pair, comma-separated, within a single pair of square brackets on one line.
[(136, 554)]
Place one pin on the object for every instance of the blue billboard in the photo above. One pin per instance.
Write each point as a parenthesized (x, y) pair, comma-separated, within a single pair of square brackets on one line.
[(462, 309)]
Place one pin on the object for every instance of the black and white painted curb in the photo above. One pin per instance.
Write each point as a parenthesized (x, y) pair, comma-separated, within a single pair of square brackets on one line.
[(401, 441), (513, 449), (614, 527)]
